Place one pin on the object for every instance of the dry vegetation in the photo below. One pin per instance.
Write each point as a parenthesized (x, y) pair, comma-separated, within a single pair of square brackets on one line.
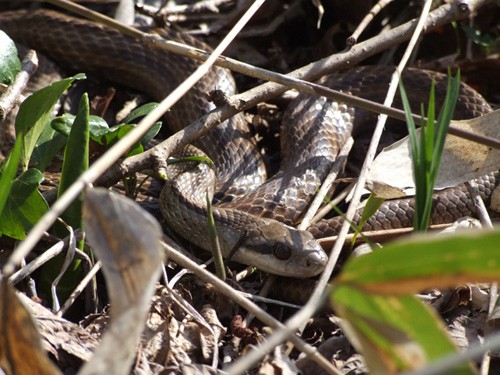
[(195, 322)]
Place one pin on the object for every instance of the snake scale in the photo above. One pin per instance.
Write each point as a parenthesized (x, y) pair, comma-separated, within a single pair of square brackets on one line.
[(253, 216)]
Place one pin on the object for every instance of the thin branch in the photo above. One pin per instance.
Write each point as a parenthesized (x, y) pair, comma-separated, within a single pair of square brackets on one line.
[(376, 9), (297, 320), (318, 200), (370, 156), (235, 296), (440, 16), (115, 152), (11, 97)]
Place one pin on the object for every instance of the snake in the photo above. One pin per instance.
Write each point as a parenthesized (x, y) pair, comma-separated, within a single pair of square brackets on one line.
[(254, 215)]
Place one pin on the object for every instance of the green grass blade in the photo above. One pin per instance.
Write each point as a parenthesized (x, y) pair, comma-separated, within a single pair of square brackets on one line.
[(427, 150), (444, 120), (8, 172), (423, 197), (76, 161), (371, 207), (412, 132), (415, 146)]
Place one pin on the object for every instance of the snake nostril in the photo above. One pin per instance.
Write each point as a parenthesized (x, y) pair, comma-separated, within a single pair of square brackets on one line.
[(281, 251)]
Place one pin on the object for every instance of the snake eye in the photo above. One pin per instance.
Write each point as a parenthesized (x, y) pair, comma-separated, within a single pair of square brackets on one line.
[(282, 252)]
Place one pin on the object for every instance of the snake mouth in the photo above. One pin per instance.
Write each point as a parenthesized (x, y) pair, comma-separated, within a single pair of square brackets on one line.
[(281, 250), (309, 263)]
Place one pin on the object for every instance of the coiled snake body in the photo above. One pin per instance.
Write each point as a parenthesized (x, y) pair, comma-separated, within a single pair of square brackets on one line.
[(259, 222)]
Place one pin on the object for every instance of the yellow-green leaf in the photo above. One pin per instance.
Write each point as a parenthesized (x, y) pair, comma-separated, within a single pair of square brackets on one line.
[(423, 262)]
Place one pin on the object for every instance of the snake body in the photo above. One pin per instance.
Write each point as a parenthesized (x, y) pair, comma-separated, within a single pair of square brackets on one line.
[(259, 223)]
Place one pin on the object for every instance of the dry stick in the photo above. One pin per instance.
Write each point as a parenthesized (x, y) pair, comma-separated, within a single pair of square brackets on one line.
[(79, 289), (312, 71), (484, 217), (317, 201), (326, 185), (11, 97), (493, 297), (370, 156), (313, 207), (197, 14), (111, 155), (226, 290), (351, 40), (438, 17), (441, 16), (298, 320), (43, 258), (358, 189), (196, 8), (480, 208), (107, 160), (332, 203), (378, 235)]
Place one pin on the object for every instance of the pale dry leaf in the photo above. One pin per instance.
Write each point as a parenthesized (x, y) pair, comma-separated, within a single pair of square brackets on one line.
[(66, 341), (391, 175), (210, 339), (155, 340), (464, 223), (127, 241), (21, 350)]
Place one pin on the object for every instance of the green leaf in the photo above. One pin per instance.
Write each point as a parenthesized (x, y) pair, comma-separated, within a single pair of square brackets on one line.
[(97, 126), (119, 131), (76, 161), (24, 207), (48, 145), (141, 111), (394, 333), (9, 62), (485, 40), (34, 114), (422, 262), (101, 133), (371, 207), (8, 172), (150, 134)]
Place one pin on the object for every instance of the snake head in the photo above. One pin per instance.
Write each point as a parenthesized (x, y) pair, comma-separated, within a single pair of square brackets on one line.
[(282, 250)]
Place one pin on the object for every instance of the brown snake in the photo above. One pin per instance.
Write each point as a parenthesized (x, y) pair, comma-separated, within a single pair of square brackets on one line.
[(314, 130)]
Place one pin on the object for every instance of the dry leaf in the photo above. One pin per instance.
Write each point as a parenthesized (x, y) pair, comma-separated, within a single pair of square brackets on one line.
[(391, 175), (127, 241), (21, 350)]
